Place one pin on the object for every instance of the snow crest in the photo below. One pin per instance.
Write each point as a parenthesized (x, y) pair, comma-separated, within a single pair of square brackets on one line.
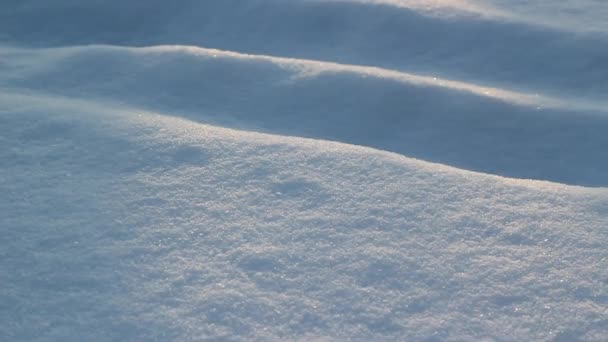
[(301, 170)]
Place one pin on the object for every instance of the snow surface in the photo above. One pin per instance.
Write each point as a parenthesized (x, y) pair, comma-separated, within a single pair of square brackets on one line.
[(303, 170)]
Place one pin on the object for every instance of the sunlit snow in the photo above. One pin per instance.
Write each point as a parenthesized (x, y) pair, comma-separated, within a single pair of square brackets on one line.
[(323, 170)]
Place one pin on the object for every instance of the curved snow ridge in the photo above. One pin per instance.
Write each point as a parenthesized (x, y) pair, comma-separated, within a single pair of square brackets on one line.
[(141, 226), (586, 16), (110, 118), (454, 123), (311, 68), (114, 118), (471, 48), (32, 61), (573, 15), (434, 7)]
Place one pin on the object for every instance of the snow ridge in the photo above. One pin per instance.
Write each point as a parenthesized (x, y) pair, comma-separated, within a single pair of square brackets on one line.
[(489, 50), (140, 226), (464, 125), (363, 170)]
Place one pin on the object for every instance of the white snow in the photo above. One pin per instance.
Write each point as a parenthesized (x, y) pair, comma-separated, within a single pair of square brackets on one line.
[(576, 15), (281, 173)]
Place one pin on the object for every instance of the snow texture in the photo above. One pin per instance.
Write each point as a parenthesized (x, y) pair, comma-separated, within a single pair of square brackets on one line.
[(306, 170)]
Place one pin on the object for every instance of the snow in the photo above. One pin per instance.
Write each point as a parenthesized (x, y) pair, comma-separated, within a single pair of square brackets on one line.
[(461, 124), (445, 43), (576, 15), (271, 179)]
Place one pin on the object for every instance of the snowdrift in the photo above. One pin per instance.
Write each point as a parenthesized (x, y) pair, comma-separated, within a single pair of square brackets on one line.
[(465, 125), (303, 170), (124, 224), (448, 39)]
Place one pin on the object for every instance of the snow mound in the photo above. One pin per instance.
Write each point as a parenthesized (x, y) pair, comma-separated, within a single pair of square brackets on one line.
[(461, 124), (121, 224), (458, 40), (303, 170)]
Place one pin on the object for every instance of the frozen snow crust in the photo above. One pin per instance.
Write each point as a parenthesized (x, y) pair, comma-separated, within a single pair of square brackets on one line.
[(184, 193)]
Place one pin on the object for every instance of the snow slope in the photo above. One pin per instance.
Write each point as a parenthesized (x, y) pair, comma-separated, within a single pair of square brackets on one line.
[(302, 170), (460, 124), (446, 39), (125, 225), (578, 15)]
